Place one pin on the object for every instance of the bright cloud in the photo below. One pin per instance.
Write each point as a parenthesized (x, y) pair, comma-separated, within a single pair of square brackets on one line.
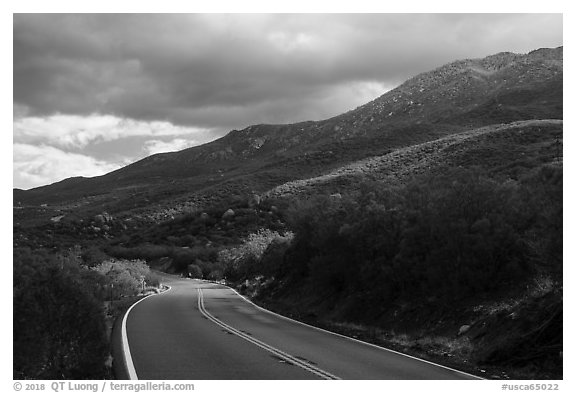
[(39, 165), (157, 146), (72, 131)]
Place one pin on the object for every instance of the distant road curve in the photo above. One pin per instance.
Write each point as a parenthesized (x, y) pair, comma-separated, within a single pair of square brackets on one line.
[(204, 331)]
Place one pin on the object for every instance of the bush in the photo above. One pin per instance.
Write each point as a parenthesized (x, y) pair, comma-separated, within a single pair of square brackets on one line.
[(152, 279), (245, 261), (125, 278), (194, 271), (273, 257), (93, 256), (198, 255), (58, 322), (215, 275)]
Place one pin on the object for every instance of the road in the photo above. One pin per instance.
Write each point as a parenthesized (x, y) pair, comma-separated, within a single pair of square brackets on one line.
[(204, 331)]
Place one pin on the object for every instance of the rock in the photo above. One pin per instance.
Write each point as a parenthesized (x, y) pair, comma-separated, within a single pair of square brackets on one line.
[(204, 216), (105, 227), (337, 195), (463, 329), (254, 200), (103, 218), (228, 214)]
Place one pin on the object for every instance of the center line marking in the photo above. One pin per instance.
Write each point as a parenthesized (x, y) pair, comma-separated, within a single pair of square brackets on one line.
[(285, 356)]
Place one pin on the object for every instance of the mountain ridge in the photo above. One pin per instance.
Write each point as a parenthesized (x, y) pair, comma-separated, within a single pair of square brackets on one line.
[(459, 96)]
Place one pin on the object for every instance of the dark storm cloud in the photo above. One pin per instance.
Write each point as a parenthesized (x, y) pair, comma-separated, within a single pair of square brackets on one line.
[(226, 71)]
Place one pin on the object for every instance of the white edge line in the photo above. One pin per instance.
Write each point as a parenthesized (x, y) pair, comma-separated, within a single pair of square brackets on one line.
[(341, 335), (267, 347), (125, 346)]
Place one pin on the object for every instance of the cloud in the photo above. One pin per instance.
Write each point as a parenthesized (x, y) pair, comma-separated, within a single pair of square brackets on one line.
[(170, 67), (74, 131), (39, 165), (107, 88), (158, 146)]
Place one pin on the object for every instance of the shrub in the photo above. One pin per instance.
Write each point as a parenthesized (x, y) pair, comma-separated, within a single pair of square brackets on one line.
[(194, 271), (245, 261), (58, 322), (215, 275), (93, 256), (152, 279), (125, 278)]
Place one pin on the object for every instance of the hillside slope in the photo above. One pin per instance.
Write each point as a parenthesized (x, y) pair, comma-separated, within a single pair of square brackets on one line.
[(453, 98), (532, 142)]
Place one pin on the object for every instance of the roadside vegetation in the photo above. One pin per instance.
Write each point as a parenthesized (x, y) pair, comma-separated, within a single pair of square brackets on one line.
[(205, 243), (64, 305), (439, 250)]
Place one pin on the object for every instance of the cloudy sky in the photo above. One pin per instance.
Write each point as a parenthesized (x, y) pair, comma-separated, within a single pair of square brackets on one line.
[(94, 92)]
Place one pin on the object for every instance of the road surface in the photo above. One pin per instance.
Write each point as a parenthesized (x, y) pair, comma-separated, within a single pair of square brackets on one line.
[(204, 331)]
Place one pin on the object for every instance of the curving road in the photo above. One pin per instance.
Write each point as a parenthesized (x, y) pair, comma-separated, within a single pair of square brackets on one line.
[(199, 330)]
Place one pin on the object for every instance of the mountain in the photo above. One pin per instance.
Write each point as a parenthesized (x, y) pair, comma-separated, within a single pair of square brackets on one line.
[(454, 98)]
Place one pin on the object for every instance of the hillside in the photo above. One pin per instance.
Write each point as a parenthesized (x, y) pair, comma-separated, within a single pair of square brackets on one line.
[(451, 99), (427, 221), (503, 149)]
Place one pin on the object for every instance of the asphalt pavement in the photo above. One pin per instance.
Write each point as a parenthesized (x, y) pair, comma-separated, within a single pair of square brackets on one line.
[(205, 331)]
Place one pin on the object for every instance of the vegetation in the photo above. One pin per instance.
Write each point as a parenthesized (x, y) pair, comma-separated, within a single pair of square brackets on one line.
[(248, 260), (414, 232), (456, 234), (60, 306), (124, 278), (198, 238), (59, 330), (430, 247)]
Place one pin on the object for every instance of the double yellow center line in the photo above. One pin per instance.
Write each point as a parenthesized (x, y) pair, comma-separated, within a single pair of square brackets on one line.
[(283, 355)]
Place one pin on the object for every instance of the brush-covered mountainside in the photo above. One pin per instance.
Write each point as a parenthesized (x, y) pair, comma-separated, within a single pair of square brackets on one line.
[(457, 97), (428, 221)]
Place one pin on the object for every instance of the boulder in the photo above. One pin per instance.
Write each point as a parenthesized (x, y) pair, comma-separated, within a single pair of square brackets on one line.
[(56, 219), (228, 214), (254, 200), (463, 329), (103, 218)]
